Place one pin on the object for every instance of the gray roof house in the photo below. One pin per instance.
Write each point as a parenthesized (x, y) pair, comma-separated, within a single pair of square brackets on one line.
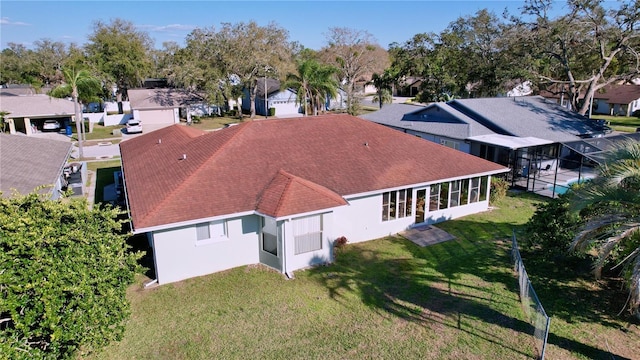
[(27, 113), (283, 101), (524, 116), (525, 133), (436, 122), (157, 108), (29, 162)]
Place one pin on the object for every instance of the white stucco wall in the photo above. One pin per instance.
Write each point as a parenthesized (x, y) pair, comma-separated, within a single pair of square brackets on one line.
[(178, 256), (362, 219), (294, 262)]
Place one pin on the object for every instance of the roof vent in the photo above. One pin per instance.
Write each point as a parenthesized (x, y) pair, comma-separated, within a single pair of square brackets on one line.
[(184, 157), (159, 141), (366, 144)]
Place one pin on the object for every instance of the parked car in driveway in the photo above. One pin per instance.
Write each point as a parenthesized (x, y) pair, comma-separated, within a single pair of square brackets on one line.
[(134, 126), (52, 125)]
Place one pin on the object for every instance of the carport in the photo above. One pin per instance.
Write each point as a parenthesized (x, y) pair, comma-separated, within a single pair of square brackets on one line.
[(27, 114)]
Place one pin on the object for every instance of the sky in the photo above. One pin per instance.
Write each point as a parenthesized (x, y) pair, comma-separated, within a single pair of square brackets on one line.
[(24, 22)]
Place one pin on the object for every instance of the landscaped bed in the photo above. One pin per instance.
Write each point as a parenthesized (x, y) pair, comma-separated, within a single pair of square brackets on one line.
[(386, 299)]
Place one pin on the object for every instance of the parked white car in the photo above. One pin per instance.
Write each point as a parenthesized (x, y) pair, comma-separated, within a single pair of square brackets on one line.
[(134, 126), (51, 125)]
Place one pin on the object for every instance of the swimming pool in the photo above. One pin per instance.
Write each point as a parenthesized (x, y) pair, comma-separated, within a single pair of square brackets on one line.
[(562, 189)]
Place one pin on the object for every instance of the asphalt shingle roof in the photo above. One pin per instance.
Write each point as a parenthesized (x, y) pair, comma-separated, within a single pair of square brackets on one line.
[(527, 116), (161, 98), (36, 106), (619, 94), (437, 119), (281, 166), (27, 162)]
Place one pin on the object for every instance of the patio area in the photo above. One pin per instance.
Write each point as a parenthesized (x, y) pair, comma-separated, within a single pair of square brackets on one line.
[(542, 182), (426, 235)]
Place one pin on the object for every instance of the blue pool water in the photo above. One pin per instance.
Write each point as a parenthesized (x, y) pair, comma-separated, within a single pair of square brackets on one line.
[(562, 189)]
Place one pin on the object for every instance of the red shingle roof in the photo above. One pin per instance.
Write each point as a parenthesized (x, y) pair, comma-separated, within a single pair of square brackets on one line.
[(288, 194), (619, 94), (278, 167)]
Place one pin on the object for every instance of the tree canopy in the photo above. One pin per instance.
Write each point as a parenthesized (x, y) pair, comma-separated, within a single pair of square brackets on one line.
[(357, 55), (64, 271), (583, 50), (121, 53)]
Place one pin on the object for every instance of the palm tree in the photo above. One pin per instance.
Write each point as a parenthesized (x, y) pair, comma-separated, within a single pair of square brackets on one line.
[(313, 82), (383, 84), (611, 205), (323, 83), (82, 87)]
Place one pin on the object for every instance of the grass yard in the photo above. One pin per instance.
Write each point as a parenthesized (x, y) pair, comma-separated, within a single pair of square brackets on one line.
[(383, 299), (620, 123), (104, 175), (213, 123)]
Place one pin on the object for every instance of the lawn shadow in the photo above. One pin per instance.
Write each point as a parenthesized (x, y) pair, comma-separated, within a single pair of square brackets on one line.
[(401, 287), (431, 285)]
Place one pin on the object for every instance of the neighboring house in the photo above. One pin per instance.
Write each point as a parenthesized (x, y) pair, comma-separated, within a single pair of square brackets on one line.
[(27, 163), (28, 113), (621, 100), (438, 122), (339, 103), (284, 102), (524, 133), (408, 86), (522, 89), (22, 89), (279, 192), (161, 107)]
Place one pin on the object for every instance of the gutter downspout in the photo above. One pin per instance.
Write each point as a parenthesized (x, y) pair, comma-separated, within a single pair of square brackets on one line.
[(284, 253)]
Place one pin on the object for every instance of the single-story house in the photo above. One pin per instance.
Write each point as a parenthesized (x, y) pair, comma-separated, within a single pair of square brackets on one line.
[(279, 192), (621, 100), (524, 133), (436, 122), (27, 163), (28, 113), (284, 102), (161, 107)]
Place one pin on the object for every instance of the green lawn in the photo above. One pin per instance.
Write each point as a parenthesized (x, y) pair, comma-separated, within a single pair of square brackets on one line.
[(104, 175), (621, 123), (216, 122), (383, 299)]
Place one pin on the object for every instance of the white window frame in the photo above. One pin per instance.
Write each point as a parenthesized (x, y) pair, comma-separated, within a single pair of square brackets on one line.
[(450, 143), (403, 208), (216, 231), (307, 234)]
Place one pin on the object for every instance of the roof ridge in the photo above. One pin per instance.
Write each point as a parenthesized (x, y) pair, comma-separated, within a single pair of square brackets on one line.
[(291, 178), (185, 182), (306, 182)]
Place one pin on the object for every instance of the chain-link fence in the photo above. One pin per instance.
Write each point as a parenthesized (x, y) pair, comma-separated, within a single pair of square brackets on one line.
[(530, 302)]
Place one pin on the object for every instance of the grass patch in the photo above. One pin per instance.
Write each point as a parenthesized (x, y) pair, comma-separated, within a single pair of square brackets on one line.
[(386, 298), (104, 175), (620, 123), (103, 132), (213, 123)]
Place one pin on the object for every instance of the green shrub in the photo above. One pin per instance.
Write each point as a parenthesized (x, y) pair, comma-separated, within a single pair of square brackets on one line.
[(552, 227), (499, 187), (64, 270), (272, 111)]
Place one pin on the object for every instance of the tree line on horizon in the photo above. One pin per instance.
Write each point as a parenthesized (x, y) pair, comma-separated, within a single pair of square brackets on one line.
[(481, 55)]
